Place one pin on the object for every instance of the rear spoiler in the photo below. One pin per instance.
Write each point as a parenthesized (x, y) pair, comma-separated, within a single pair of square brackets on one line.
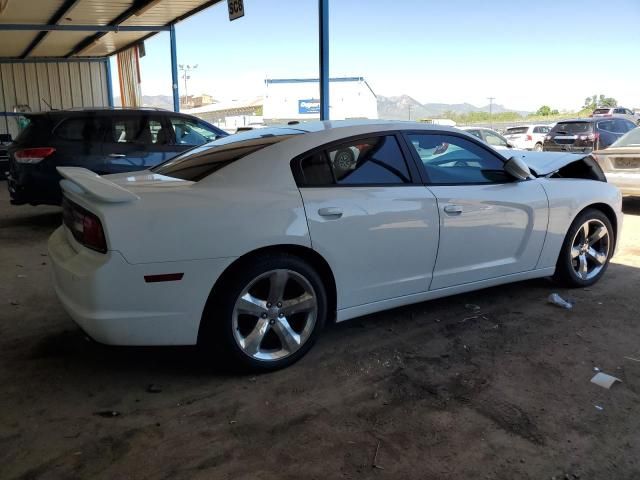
[(82, 181)]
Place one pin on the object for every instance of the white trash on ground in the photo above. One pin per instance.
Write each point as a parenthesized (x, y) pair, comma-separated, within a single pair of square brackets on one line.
[(557, 300), (604, 380)]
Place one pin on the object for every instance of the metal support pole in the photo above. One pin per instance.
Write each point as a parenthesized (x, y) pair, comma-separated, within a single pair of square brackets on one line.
[(174, 70), (107, 66), (323, 29)]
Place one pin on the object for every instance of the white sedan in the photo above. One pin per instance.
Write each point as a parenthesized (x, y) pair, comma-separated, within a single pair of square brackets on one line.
[(250, 244)]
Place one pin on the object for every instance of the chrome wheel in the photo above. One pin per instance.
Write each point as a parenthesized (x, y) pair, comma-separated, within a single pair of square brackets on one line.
[(590, 249), (274, 315)]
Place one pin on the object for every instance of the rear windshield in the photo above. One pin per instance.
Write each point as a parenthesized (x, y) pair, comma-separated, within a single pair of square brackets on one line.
[(512, 130), (572, 127), (600, 111), (202, 161)]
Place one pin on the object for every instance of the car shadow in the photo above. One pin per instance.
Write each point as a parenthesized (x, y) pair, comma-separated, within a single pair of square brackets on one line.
[(631, 205)]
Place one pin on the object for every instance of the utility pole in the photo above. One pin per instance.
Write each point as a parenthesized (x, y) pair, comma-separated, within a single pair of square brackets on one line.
[(186, 70), (491, 99)]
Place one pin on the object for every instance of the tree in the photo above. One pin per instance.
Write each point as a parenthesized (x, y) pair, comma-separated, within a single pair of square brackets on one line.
[(593, 102), (544, 110)]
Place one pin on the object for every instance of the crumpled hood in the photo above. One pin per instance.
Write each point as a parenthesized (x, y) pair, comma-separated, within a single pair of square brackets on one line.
[(544, 163)]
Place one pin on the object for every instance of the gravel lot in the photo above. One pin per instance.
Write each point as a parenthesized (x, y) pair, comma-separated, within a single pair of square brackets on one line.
[(431, 391)]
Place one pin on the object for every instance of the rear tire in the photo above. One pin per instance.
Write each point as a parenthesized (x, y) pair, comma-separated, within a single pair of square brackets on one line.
[(586, 251), (266, 316), (537, 147)]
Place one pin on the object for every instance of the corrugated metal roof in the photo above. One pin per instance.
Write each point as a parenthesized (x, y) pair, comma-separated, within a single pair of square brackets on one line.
[(30, 44)]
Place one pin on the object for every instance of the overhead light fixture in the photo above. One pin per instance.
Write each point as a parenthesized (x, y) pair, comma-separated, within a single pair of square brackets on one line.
[(147, 7)]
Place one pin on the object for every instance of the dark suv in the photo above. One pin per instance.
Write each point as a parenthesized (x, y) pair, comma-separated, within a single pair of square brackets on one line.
[(5, 140), (585, 134), (103, 140)]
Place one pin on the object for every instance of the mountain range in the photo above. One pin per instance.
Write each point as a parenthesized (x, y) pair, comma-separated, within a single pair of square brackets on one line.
[(400, 107), (388, 107)]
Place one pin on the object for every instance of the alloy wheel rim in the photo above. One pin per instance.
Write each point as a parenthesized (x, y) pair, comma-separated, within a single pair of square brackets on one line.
[(590, 249), (275, 314)]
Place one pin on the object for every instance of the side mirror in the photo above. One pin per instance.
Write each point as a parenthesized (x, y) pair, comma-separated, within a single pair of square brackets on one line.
[(516, 167)]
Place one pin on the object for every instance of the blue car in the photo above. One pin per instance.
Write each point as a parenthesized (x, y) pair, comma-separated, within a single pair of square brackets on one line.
[(102, 140)]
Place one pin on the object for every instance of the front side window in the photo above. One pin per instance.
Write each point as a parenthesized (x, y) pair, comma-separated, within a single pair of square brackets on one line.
[(367, 161), (190, 132), (451, 160)]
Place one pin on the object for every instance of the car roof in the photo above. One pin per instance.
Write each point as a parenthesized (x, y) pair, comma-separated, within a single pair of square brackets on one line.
[(104, 110)]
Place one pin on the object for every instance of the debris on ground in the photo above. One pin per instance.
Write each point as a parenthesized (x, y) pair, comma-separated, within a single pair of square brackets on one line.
[(598, 407), (472, 306), (107, 413), (14, 303), (557, 300), (152, 388), (374, 464), (604, 380)]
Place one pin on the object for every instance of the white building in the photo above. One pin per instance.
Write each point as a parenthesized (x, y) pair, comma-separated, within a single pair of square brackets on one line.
[(298, 99)]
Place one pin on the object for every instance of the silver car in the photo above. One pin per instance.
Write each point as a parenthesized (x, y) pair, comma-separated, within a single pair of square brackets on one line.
[(621, 162)]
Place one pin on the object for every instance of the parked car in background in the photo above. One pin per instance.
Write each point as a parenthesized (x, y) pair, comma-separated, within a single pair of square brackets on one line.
[(101, 140), (527, 137), (584, 135), (250, 244), (617, 112), (5, 140), (621, 162), (489, 136)]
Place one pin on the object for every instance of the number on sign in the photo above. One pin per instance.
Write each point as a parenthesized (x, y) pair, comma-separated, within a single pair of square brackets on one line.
[(236, 9)]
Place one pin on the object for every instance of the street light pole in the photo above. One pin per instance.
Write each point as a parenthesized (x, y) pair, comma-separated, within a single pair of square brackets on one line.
[(186, 70), (491, 99)]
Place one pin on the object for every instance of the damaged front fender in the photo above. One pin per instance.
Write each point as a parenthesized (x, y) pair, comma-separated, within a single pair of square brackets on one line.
[(563, 165)]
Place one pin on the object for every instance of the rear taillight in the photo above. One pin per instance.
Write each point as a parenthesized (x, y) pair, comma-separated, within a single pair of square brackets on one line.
[(33, 155), (84, 225), (529, 138)]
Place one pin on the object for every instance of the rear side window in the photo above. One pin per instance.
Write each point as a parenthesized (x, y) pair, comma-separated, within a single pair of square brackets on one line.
[(204, 160), (79, 129), (365, 161), (139, 130), (572, 127)]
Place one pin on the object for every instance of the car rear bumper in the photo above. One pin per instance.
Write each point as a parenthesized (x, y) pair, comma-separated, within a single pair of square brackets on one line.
[(29, 186), (566, 148), (113, 303)]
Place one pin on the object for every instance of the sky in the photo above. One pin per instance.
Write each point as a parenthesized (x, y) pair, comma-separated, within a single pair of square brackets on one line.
[(523, 53)]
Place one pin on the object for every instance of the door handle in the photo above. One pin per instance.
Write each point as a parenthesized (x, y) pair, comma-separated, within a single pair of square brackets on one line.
[(453, 209), (117, 155), (333, 212)]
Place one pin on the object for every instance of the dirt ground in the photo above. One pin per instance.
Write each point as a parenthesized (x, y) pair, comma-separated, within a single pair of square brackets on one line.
[(431, 391)]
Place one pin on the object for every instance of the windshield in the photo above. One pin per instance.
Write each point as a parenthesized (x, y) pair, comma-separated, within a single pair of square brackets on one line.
[(629, 139), (572, 127), (202, 161)]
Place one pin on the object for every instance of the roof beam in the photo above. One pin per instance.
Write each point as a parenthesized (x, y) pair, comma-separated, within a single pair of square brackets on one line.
[(83, 28), (55, 18), (138, 6)]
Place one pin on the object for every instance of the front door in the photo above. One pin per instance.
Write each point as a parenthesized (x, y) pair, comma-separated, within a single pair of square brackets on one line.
[(370, 218), (491, 225)]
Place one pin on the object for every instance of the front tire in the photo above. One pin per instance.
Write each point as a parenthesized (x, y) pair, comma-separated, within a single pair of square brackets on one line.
[(267, 315), (586, 251)]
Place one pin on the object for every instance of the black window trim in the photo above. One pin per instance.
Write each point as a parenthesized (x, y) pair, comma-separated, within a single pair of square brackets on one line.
[(468, 137), (414, 172)]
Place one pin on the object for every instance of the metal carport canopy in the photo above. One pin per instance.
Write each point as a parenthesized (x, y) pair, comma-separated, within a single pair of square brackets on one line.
[(51, 30)]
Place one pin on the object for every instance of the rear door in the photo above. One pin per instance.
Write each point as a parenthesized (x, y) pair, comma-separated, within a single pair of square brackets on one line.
[(137, 142), (490, 224), (370, 216)]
